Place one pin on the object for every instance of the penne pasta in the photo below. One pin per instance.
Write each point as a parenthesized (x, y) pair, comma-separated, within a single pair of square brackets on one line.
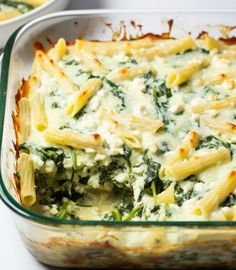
[(168, 47), (215, 105), (188, 147), (73, 139), (168, 195), (83, 96), (123, 74), (197, 163), (91, 63), (38, 112), (216, 195), (50, 66), (181, 76), (143, 123), (220, 126), (58, 51), (27, 180)]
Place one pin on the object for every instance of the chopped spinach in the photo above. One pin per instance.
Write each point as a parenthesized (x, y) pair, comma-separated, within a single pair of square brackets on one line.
[(161, 94), (153, 185), (230, 201), (163, 148), (108, 173), (47, 153), (212, 142), (130, 61), (117, 91), (181, 196), (202, 50), (156, 209), (55, 105), (72, 62), (80, 114), (127, 155), (209, 89)]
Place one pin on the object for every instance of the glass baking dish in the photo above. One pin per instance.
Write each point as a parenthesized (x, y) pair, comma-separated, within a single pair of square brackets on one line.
[(65, 243)]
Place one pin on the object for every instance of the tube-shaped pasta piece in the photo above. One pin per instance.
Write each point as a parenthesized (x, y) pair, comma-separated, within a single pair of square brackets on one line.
[(216, 195), (83, 96), (123, 73), (168, 195), (143, 123), (27, 180), (220, 126), (58, 51), (38, 112), (24, 120), (229, 102), (165, 48), (50, 66), (72, 138), (129, 138), (161, 47), (113, 47), (197, 163), (211, 43), (92, 63), (178, 77), (188, 146)]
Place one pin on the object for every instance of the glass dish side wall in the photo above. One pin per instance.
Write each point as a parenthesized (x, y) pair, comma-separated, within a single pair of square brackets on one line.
[(129, 247), (76, 244)]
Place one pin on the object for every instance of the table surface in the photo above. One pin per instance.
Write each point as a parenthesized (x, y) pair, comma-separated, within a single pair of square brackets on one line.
[(13, 254)]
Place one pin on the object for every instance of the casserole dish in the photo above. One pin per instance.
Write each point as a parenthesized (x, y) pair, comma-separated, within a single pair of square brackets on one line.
[(66, 243), (9, 26)]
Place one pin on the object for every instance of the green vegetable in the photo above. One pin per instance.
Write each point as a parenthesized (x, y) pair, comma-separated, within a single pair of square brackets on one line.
[(117, 215), (63, 213), (212, 142), (131, 214), (47, 153), (72, 62), (163, 148), (181, 196), (75, 167), (230, 201), (107, 173), (153, 184), (161, 94), (117, 91), (130, 61)]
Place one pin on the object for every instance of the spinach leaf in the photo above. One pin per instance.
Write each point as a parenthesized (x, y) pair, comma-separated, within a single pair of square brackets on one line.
[(181, 196), (72, 62), (117, 91), (130, 61), (230, 201), (47, 153), (117, 165), (161, 94), (212, 142)]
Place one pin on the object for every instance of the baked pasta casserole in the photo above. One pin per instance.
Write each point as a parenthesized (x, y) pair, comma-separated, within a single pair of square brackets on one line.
[(141, 130)]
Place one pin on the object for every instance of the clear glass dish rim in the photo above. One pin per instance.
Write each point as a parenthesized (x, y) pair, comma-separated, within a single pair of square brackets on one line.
[(18, 209)]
